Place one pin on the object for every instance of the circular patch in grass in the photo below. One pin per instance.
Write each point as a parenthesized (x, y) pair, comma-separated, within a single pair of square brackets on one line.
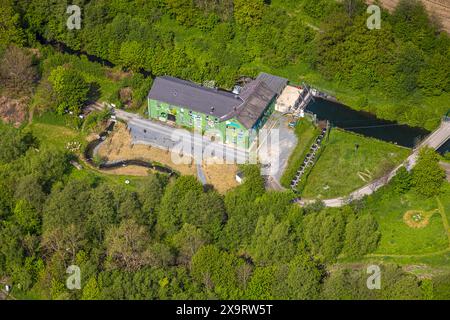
[(417, 219)]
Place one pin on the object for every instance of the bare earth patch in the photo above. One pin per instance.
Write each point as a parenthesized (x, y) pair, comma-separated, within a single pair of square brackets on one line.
[(126, 96), (417, 219)]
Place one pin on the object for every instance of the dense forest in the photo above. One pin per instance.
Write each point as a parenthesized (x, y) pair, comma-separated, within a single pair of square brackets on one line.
[(400, 72), (171, 238)]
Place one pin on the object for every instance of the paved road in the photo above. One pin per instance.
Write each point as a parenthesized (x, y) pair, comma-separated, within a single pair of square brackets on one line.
[(275, 147), (435, 140)]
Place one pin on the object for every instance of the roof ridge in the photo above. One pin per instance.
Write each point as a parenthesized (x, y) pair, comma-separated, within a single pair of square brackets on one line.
[(196, 85)]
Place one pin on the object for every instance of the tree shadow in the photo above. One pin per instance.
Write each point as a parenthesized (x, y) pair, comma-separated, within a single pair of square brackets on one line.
[(94, 92)]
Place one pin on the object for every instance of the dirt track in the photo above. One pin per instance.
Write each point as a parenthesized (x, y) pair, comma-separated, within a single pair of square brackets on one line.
[(438, 8)]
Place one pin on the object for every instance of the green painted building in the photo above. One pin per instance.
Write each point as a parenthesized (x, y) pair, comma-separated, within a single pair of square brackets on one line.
[(233, 118)]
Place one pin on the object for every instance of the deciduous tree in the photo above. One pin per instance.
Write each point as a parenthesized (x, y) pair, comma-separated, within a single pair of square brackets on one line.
[(427, 175)]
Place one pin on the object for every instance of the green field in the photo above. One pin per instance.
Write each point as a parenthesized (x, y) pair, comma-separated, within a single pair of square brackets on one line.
[(95, 176), (342, 168), (52, 130)]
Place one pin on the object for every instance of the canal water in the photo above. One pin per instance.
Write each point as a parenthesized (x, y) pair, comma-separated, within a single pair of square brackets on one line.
[(366, 123), (445, 147)]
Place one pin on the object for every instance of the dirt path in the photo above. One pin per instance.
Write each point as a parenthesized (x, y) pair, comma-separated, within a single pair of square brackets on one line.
[(6, 296), (119, 146), (3, 294), (441, 210)]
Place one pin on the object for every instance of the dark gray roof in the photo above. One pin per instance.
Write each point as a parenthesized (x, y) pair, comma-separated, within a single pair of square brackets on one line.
[(257, 95), (193, 96), (275, 83)]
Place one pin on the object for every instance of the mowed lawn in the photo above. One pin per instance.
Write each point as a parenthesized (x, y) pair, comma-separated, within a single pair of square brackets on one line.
[(343, 167), (51, 131), (397, 238), (306, 134)]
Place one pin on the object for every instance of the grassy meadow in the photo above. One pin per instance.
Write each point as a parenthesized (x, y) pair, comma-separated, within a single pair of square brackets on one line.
[(343, 168)]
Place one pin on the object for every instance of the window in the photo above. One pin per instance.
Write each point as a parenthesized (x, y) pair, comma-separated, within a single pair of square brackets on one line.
[(171, 117)]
